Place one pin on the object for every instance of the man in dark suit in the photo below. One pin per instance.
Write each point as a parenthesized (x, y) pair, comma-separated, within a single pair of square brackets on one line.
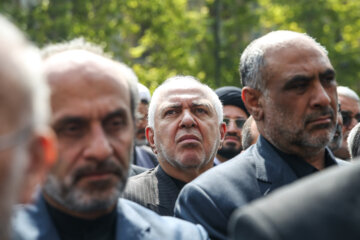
[(93, 101), (185, 131), (322, 206), (290, 90)]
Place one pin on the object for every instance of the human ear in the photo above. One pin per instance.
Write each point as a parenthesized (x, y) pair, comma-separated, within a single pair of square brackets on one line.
[(42, 156), (149, 133), (222, 129), (252, 100)]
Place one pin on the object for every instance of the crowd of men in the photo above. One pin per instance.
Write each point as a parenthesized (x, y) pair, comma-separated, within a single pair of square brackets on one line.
[(87, 153)]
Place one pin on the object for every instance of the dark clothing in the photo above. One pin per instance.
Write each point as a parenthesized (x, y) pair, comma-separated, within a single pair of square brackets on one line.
[(300, 167), (324, 206), (143, 157), (211, 198), (73, 228), (155, 190), (34, 222)]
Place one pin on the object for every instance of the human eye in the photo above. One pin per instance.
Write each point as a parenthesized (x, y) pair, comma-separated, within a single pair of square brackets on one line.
[(170, 112), (71, 129), (114, 123)]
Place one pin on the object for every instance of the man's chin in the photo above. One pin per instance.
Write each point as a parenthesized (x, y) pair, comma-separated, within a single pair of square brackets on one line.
[(228, 152)]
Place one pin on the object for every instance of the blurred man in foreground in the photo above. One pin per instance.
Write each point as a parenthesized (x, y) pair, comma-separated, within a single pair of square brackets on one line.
[(26, 143)]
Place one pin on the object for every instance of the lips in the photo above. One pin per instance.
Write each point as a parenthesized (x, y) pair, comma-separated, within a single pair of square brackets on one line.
[(188, 138)]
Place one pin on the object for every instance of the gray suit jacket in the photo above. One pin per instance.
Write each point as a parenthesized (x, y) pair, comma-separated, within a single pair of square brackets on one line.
[(33, 222), (211, 198), (153, 189), (322, 206)]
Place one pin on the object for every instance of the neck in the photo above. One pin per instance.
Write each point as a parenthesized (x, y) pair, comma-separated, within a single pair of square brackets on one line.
[(83, 215), (184, 174)]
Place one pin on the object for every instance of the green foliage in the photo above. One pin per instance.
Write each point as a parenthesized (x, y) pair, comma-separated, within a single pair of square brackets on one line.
[(203, 38)]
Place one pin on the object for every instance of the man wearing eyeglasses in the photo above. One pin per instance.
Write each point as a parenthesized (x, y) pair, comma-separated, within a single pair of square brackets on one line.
[(350, 111), (26, 142), (235, 115)]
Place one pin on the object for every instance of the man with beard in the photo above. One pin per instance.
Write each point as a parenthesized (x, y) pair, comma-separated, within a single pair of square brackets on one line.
[(93, 101), (350, 111), (290, 90), (235, 115), (185, 131), (26, 142)]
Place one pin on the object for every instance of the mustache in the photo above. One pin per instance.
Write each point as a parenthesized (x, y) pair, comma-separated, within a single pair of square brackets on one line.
[(106, 166), (231, 134), (325, 111)]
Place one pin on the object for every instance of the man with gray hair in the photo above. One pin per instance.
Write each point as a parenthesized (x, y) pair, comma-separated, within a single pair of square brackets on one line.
[(350, 111), (27, 147), (354, 141), (93, 100), (290, 90), (185, 131)]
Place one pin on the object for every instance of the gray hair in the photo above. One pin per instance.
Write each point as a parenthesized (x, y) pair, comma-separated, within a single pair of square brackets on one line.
[(347, 92), (23, 60), (246, 135), (183, 82), (252, 59), (82, 44), (353, 141)]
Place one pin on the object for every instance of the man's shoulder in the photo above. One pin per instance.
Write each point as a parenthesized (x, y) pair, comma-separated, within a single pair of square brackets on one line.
[(32, 221), (136, 220)]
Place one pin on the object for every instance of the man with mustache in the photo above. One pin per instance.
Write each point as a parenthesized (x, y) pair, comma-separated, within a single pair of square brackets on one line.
[(290, 90), (185, 131), (93, 101), (235, 115)]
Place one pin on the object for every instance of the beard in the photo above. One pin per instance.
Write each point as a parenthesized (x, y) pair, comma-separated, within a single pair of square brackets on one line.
[(96, 196), (284, 133), (229, 152)]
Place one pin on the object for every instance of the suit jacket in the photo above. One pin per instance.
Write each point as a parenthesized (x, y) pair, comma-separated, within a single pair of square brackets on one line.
[(322, 206), (153, 189), (135, 170), (144, 157), (211, 198), (33, 222)]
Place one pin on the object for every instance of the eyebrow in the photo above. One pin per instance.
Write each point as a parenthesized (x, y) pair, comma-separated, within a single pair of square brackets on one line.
[(116, 113), (327, 73), (79, 120), (298, 78)]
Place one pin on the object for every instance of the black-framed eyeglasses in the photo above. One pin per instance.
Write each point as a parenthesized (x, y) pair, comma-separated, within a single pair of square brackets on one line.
[(238, 122), (348, 116), (16, 137)]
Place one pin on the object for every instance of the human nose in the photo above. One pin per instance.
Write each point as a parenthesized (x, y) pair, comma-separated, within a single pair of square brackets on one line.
[(231, 126), (98, 147), (321, 96), (187, 120)]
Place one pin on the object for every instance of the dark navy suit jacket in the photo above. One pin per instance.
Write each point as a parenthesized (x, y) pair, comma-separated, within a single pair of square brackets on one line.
[(211, 198)]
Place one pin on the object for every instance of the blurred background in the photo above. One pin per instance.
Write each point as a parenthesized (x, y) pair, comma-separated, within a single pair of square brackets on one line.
[(203, 38)]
